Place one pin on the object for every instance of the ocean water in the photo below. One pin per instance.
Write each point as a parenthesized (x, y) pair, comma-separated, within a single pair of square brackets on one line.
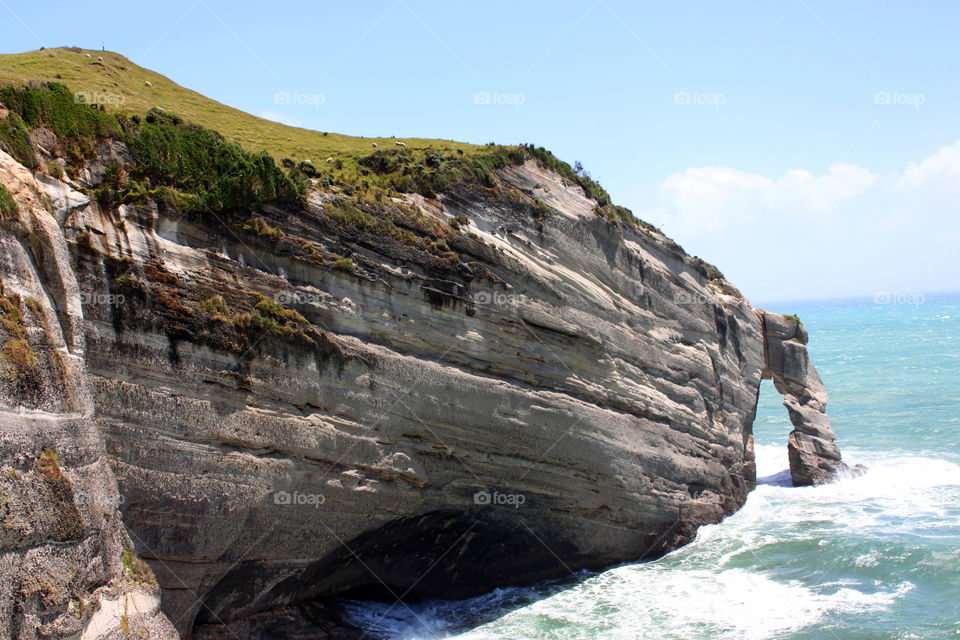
[(871, 557)]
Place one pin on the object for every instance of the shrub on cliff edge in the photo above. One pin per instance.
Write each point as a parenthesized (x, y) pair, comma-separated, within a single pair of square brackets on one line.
[(190, 158)]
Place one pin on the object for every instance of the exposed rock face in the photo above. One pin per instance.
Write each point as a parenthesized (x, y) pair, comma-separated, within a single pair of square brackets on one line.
[(812, 447), (596, 377), (571, 395), (66, 564)]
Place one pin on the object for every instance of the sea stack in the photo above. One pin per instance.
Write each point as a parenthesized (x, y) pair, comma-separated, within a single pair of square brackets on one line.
[(813, 451)]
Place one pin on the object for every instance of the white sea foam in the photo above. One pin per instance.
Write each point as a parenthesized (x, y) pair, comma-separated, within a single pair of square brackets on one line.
[(734, 581), (645, 602)]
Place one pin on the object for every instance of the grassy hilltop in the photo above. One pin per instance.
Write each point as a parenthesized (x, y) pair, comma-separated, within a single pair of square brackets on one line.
[(172, 131), (125, 85)]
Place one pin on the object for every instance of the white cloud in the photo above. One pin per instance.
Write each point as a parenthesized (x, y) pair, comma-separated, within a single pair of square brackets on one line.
[(845, 231), (941, 169), (712, 199), (282, 118)]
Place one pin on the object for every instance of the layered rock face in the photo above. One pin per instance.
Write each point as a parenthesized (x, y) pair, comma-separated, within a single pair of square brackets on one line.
[(573, 394), (813, 451), (585, 399), (67, 567)]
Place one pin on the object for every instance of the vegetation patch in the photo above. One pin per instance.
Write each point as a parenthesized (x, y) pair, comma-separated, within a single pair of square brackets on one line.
[(187, 158), (271, 317), (77, 127), (201, 169), (260, 228), (85, 243), (459, 221), (129, 282), (621, 215), (150, 298), (11, 315), (397, 230), (194, 167), (17, 352), (15, 140), (136, 569), (18, 358), (343, 264), (216, 307), (8, 206), (118, 77), (707, 270), (157, 272), (49, 465)]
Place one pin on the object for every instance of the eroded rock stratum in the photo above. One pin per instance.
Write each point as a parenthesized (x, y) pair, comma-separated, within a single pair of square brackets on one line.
[(563, 393), (67, 567)]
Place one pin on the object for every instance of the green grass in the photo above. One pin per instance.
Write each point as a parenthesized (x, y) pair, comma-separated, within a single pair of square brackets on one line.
[(77, 129), (344, 264), (707, 270), (15, 140), (120, 86), (18, 353), (197, 169), (269, 317), (460, 220), (8, 206)]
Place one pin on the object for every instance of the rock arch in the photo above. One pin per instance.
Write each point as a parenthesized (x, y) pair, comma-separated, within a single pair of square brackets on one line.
[(812, 446)]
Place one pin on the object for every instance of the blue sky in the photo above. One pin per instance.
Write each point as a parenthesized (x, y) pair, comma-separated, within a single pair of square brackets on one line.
[(807, 148)]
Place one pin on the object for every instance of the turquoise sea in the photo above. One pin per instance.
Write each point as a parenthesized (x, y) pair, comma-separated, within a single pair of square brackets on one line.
[(871, 557)]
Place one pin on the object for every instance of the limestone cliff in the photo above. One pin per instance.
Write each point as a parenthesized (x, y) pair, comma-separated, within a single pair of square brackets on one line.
[(294, 412), (67, 567)]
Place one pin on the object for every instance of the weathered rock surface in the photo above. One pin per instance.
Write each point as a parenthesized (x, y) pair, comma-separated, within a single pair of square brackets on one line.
[(574, 395), (596, 375), (66, 564), (814, 455), (63, 197)]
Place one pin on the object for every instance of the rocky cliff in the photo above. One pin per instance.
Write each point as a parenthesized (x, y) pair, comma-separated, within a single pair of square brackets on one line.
[(67, 567), (812, 448), (285, 406)]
